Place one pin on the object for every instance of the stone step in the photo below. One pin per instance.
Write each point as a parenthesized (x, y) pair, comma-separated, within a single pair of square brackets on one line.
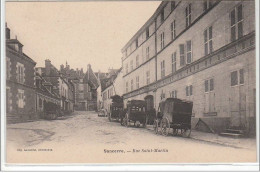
[(232, 135), (236, 131)]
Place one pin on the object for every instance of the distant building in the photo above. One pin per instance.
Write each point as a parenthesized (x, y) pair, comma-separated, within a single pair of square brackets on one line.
[(110, 84), (20, 82), (90, 84), (44, 94), (113, 86), (61, 85)]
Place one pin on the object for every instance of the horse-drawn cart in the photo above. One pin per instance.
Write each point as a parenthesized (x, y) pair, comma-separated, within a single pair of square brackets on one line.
[(174, 114)]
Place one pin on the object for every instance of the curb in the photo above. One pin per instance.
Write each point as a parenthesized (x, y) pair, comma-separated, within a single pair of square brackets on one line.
[(211, 142)]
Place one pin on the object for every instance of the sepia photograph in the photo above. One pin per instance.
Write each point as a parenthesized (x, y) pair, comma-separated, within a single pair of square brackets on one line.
[(130, 82)]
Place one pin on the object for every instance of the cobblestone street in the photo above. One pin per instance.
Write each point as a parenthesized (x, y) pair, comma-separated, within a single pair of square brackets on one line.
[(84, 137)]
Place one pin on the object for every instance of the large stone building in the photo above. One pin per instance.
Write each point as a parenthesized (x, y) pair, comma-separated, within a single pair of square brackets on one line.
[(62, 86), (44, 94), (112, 85), (203, 51), (20, 82)]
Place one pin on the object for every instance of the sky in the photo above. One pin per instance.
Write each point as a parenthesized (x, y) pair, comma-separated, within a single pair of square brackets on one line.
[(80, 33)]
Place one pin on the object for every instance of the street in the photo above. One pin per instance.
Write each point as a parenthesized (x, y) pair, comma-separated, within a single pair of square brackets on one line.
[(84, 137)]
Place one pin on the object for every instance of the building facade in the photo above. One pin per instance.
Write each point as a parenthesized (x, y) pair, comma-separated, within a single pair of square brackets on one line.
[(20, 82), (202, 51), (44, 94), (112, 86), (62, 86)]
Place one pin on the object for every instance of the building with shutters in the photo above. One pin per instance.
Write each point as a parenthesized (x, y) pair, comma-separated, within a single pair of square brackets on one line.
[(62, 85), (112, 85), (20, 82), (202, 51)]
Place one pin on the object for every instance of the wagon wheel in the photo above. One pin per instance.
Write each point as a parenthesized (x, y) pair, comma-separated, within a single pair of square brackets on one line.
[(122, 121), (165, 126), (145, 122), (175, 132), (109, 117), (127, 120), (155, 126), (186, 132)]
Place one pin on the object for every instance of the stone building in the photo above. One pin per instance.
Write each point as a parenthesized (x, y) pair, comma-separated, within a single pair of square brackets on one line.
[(112, 86), (90, 82), (203, 51), (61, 85), (20, 82), (44, 94)]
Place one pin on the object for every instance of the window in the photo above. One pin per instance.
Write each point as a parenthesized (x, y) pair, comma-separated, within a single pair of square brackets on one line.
[(172, 5), (173, 30), (147, 33), (20, 98), (241, 76), (237, 77), (148, 77), (209, 85), (162, 69), (137, 61), (174, 62), (189, 90), (162, 95), (131, 65), (208, 41), (137, 82), (136, 43), (162, 40), (147, 53), (126, 87), (132, 85), (236, 16), (126, 68), (20, 72), (8, 68), (162, 15), (182, 56), (188, 15), (174, 94), (189, 54), (207, 4)]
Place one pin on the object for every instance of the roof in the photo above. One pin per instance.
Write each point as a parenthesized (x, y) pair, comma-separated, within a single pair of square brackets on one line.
[(149, 21), (136, 102), (175, 99), (91, 79), (43, 90)]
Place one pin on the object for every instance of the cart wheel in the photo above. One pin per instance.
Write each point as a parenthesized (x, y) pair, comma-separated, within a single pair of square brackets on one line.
[(155, 126), (165, 126), (122, 121), (109, 117), (175, 132), (127, 120), (145, 122), (186, 133)]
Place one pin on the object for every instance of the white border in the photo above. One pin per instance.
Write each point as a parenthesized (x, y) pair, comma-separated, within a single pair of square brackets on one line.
[(123, 167)]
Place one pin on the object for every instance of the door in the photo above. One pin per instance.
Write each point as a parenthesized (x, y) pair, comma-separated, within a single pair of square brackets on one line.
[(209, 97), (209, 103), (237, 100), (149, 102)]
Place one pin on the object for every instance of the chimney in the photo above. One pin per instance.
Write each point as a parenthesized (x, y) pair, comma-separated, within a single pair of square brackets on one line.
[(61, 67), (89, 67), (7, 32), (48, 67)]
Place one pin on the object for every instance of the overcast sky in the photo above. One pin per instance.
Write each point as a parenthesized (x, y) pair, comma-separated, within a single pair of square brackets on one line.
[(80, 33)]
